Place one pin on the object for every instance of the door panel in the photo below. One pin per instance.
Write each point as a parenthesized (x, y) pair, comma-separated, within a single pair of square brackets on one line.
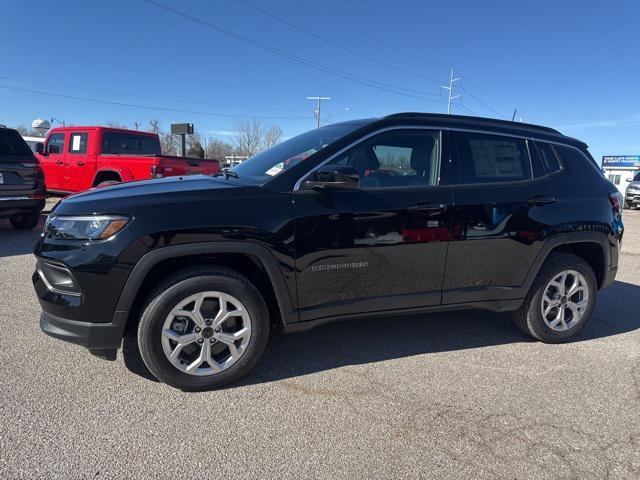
[(363, 251), (80, 168), (53, 162), (498, 228), (382, 246)]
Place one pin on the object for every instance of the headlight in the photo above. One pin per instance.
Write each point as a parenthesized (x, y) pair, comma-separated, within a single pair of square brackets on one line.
[(90, 227)]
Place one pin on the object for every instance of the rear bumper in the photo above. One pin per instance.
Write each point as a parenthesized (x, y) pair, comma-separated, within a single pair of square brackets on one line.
[(13, 204), (102, 339)]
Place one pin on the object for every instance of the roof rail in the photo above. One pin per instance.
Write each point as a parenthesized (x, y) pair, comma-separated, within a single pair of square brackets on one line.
[(465, 118)]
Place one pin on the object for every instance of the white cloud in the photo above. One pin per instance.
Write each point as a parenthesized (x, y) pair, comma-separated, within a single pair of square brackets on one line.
[(630, 121), (222, 133)]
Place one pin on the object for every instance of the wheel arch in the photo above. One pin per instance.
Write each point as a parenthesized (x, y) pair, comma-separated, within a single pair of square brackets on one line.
[(593, 247), (130, 298), (107, 174)]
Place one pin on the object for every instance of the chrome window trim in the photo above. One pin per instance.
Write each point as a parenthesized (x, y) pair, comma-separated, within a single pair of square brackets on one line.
[(10, 199), (441, 128)]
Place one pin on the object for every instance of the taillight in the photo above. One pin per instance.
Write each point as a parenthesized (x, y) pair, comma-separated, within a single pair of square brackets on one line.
[(616, 202), (157, 171)]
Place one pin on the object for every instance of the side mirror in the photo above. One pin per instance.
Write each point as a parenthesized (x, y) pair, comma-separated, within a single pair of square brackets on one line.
[(629, 180), (333, 177), (53, 149), (39, 148)]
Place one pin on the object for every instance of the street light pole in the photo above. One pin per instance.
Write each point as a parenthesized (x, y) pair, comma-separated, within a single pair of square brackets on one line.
[(316, 112)]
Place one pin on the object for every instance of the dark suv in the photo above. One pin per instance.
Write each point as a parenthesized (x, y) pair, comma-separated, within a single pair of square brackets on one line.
[(405, 214), (21, 181)]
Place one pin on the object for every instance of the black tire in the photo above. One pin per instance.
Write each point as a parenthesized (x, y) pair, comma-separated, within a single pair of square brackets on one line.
[(25, 221), (626, 206), (107, 183), (529, 316), (179, 286)]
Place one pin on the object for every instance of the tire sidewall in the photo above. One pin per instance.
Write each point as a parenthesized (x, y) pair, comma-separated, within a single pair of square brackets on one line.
[(535, 322), (154, 316)]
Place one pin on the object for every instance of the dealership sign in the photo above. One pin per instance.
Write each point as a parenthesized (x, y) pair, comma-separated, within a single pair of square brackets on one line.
[(621, 161)]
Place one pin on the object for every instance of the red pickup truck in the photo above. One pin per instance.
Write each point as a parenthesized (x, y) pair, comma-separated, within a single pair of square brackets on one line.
[(78, 158)]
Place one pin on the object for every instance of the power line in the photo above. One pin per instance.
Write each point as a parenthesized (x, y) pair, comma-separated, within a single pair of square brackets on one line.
[(488, 96), (371, 37), (483, 103), (335, 44), (339, 73), (147, 107), (111, 92)]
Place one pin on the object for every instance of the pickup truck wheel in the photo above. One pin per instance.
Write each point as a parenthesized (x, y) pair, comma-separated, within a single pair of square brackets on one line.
[(203, 328), (25, 221), (560, 301), (106, 183)]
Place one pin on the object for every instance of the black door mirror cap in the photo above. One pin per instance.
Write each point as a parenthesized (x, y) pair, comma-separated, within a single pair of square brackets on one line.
[(333, 177)]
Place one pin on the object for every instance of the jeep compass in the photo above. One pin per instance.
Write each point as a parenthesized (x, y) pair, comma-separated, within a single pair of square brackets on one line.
[(405, 214)]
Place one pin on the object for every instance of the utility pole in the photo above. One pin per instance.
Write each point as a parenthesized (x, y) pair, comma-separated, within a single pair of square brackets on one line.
[(316, 112), (450, 89)]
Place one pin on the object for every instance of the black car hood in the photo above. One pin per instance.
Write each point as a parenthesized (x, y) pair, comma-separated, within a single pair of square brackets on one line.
[(123, 197)]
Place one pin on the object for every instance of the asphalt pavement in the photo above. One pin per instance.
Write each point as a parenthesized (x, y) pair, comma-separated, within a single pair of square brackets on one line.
[(456, 395)]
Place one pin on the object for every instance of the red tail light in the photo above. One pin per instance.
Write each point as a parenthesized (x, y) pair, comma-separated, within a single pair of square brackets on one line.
[(616, 202), (156, 171)]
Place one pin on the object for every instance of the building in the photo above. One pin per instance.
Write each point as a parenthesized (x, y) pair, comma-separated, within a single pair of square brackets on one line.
[(620, 169)]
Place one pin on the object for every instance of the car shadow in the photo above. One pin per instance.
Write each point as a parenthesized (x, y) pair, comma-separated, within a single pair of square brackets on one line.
[(364, 341), (18, 242)]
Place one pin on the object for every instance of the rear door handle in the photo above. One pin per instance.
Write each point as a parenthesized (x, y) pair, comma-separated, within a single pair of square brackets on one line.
[(539, 200), (59, 162), (428, 206), (80, 163)]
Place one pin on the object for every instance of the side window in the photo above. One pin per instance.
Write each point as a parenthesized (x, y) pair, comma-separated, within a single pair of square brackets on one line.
[(398, 158), (57, 142), (615, 179), (78, 143), (548, 157), (484, 158)]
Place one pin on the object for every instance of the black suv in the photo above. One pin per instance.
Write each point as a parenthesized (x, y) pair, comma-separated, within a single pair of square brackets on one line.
[(21, 181), (399, 215)]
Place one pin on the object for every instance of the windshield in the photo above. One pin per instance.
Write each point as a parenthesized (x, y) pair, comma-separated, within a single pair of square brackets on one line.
[(266, 165), (637, 177), (12, 144)]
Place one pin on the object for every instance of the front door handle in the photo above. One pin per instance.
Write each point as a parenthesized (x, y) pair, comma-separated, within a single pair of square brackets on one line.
[(539, 200), (428, 206), (80, 163), (59, 162)]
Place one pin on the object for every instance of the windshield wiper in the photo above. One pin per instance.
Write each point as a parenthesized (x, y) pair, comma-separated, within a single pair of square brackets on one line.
[(227, 173)]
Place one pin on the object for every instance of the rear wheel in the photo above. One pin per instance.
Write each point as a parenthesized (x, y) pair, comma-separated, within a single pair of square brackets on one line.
[(560, 301), (106, 183), (203, 328), (25, 221)]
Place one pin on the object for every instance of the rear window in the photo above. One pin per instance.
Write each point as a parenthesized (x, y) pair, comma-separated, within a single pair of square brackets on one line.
[(78, 143), (492, 158), (12, 144), (548, 157), (130, 143)]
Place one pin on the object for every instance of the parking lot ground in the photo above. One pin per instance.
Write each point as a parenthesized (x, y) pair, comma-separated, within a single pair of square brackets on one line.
[(456, 395)]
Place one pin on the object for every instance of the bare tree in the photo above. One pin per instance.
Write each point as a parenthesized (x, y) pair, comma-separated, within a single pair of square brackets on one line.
[(271, 136), (27, 132), (154, 126), (248, 136), (116, 125), (217, 149), (168, 144)]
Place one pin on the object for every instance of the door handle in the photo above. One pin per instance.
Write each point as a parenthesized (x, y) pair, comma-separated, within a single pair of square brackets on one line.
[(59, 162), (80, 163), (539, 200), (428, 206)]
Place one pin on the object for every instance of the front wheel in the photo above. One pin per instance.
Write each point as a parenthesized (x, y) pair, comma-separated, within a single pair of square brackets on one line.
[(203, 328), (25, 221), (561, 300)]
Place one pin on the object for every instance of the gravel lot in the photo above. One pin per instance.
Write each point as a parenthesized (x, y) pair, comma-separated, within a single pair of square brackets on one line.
[(458, 395)]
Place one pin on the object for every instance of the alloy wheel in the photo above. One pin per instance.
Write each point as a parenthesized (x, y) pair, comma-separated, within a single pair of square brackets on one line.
[(206, 333), (565, 300)]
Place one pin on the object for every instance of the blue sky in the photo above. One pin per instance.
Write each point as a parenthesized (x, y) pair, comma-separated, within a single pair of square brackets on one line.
[(563, 64)]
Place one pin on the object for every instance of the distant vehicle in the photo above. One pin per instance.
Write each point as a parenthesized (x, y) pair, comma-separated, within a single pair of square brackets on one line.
[(33, 142), (78, 158), (480, 213), (632, 194), (21, 181)]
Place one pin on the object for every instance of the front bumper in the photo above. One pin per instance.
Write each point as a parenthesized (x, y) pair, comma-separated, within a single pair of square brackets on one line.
[(102, 339), (632, 198)]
